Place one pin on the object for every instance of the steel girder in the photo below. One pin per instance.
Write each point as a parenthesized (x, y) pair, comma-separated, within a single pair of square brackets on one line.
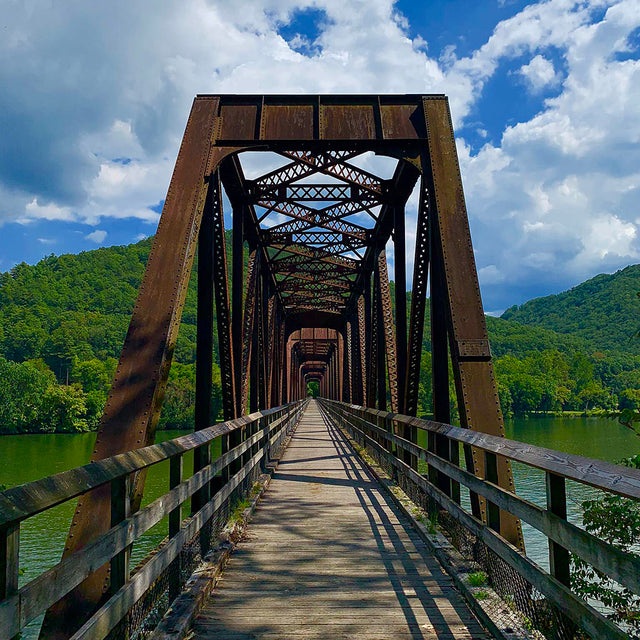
[(314, 228)]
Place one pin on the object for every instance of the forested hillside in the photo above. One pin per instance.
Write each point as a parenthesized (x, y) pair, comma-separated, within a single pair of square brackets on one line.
[(63, 321), (604, 311)]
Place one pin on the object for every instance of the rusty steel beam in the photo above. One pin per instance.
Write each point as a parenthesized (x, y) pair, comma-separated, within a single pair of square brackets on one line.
[(247, 328), (344, 171), (237, 292), (418, 303), (400, 278), (389, 331), (318, 192), (476, 386), (317, 254), (305, 217), (135, 400), (362, 333), (284, 176), (204, 346), (223, 312)]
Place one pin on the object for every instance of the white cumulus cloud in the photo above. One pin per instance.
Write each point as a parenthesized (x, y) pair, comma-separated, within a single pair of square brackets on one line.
[(98, 236), (539, 73), (95, 99)]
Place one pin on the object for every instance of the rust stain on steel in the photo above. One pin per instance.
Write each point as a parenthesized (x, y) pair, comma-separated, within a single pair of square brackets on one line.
[(287, 122), (238, 122), (348, 122), (401, 121)]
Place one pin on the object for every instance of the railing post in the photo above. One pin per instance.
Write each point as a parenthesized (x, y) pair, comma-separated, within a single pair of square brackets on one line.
[(120, 510), (491, 475), (9, 560), (224, 448), (202, 459), (393, 430), (175, 519), (264, 423), (443, 450), (559, 561), (454, 458)]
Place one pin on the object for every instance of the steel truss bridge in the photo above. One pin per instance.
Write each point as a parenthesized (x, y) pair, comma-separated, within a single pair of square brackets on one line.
[(300, 292)]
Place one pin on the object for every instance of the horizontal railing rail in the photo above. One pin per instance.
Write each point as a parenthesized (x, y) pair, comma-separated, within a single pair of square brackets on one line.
[(258, 439), (377, 430)]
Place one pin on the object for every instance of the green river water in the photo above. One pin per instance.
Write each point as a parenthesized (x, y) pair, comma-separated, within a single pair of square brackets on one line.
[(29, 457)]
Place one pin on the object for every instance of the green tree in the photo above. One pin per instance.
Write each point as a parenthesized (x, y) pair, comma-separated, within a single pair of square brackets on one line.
[(617, 521), (22, 387), (63, 409), (630, 399)]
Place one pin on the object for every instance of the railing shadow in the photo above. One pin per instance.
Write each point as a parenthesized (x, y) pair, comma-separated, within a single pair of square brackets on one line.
[(313, 564)]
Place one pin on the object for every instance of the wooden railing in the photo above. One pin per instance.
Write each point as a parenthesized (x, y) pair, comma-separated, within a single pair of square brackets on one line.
[(379, 431), (248, 445)]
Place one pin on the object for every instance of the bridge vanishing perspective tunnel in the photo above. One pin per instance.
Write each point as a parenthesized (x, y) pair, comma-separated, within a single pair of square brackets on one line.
[(369, 517)]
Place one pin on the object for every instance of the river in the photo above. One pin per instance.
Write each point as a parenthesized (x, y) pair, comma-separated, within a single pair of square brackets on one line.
[(29, 457)]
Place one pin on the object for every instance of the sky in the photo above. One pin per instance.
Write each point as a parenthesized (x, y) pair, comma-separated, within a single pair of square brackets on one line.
[(545, 98)]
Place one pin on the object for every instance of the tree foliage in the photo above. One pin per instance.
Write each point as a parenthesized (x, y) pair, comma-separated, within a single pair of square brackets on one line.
[(615, 520), (602, 311), (71, 313)]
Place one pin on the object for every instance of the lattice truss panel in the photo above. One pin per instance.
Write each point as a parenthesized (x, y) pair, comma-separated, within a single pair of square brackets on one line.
[(316, 215)]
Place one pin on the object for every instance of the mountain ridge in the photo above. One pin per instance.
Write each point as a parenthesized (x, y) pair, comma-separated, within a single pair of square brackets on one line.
[(603, 310)]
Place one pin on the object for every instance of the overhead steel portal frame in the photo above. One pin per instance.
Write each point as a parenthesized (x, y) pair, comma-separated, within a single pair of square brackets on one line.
[(310, 297)]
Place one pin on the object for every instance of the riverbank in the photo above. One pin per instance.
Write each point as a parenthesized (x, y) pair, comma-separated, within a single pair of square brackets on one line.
[(590, 413)]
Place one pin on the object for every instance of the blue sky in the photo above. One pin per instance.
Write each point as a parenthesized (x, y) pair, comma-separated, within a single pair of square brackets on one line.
[(545, 97)]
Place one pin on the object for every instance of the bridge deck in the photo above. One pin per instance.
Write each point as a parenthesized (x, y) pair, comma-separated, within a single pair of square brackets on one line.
[(327, 556)]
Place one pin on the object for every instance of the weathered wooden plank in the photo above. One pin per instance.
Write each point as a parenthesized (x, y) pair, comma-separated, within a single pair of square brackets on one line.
[(577, 610), (21, 502), (623, 481), (108, 616), (326, 555), (622, 567)]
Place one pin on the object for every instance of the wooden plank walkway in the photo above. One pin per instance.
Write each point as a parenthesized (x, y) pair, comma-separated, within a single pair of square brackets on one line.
[(326, 556)]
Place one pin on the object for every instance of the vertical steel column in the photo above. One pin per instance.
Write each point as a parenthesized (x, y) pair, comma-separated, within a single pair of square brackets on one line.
[(346, 363), (379, 351), (340, 365), (400, 277), (204, 347), (370, 400), (388, 332), (356, 360), (271, 351), (254, 383), (284, 362), (247, 328), (290, 386), (476, 386), (439, 355), (237, 292), (362, 339), (220, 279), (263, 398), (418, 303), (374, 363)]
